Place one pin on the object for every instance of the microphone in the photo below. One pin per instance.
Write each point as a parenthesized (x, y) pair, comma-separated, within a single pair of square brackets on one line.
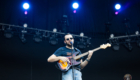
[(71, 43)]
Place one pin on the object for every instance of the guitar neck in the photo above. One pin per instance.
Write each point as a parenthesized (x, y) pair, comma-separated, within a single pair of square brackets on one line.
[(86, 53)]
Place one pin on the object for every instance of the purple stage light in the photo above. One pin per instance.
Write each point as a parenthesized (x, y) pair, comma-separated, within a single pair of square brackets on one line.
[(116, 13), (25, 12), (74, 11)]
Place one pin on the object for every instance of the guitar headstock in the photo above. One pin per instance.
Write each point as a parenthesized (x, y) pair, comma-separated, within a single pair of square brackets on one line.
[(104, 46)]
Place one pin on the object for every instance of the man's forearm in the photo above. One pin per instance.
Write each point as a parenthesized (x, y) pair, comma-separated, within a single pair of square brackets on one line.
[(53, 59), (83, 64)]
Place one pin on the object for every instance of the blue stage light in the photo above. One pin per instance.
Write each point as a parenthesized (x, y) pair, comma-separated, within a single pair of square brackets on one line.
[(117, 6), (26, 6), (75, 5)]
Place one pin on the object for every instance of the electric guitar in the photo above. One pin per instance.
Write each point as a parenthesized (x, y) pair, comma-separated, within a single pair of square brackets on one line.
[(64, 66)]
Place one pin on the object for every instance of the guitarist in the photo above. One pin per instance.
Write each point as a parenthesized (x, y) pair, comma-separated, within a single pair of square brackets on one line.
[(62, 52)]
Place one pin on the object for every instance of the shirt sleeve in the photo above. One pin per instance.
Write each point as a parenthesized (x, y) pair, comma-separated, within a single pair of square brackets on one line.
[(58, 52)]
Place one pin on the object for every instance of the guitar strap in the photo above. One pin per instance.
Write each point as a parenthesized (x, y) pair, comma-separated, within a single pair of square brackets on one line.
[(76, 50)]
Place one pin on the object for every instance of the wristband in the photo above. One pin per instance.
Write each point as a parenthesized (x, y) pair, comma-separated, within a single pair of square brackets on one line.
[(87, 60)]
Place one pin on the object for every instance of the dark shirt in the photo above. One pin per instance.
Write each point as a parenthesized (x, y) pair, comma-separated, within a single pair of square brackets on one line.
[(63, 51)]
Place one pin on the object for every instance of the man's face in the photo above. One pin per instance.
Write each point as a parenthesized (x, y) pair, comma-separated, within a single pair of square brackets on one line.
[(68, 39)]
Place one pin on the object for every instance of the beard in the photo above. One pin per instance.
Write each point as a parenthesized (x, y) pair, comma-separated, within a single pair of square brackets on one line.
[(69, 45)]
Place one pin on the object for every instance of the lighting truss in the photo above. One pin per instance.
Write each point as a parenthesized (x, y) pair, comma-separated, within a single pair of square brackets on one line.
[(33, 31), (125, 40)]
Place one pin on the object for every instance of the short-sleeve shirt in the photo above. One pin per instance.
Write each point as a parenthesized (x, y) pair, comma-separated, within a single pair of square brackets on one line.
[(63, 51)]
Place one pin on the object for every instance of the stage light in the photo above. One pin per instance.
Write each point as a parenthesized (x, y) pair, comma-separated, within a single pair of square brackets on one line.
[(22, 38), (53, 40), (81, 34), (112, 36), (81, 44), (74, 11), (25, 25), (115, 46), (75, 5), (46, 36), (138, 39), (54, 30), (137, 32), (116, 13), (114, 43), (25, 12), (88, 42), (37, 37), (24, 31), (26, 6), (117, 6), (128, 45), (8, 33)]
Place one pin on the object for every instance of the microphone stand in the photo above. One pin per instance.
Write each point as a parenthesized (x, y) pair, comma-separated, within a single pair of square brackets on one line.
[(72, 48)]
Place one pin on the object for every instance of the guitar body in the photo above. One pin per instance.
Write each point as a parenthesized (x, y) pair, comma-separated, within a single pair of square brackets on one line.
[(64, 66)]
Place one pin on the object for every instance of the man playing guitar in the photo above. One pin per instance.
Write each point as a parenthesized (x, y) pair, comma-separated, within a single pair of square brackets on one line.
[(68, 56), (62, 54)]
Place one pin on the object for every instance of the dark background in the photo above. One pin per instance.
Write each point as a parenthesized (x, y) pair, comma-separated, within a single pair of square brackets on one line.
[(28, 61)]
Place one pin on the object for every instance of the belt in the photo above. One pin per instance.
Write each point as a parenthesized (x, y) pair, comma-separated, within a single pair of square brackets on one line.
[(76, 68)]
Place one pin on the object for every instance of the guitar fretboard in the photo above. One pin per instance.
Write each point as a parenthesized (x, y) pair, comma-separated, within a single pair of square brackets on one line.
[(86, 53)]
